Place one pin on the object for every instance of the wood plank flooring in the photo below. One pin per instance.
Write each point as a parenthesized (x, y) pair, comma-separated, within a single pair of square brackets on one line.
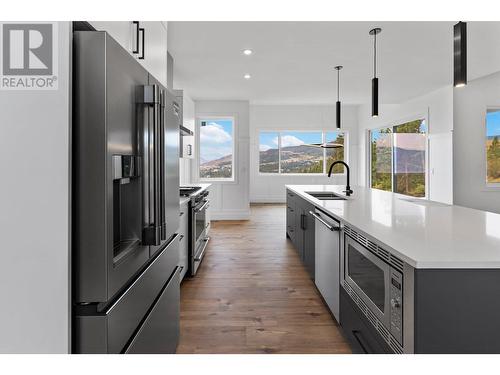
[(252, 294)]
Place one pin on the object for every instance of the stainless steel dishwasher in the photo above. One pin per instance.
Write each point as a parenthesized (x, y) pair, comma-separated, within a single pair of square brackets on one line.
[(327, 263)]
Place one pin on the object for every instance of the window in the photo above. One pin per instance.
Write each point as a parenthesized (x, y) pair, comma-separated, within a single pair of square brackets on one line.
[(398, 158), (290, 152), (296, 157), (493, 146), (381, 159), (334, 154), (217, 149), (269, 153)]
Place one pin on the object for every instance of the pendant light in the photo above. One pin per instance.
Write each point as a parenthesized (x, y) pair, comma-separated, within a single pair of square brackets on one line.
[(375, 32), (331, 144), (337, 107), (460, 54), (325, 145)]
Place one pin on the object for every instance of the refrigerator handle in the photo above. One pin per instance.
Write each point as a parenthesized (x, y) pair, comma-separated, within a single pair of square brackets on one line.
[(149, 96), (161, 153)]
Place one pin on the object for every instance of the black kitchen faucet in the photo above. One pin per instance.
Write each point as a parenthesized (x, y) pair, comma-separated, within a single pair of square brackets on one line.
[(347, 190)]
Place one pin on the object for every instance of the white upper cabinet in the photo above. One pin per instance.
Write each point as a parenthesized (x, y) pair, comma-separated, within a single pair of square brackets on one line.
[(121, 31), (153, 54), (155, 50)]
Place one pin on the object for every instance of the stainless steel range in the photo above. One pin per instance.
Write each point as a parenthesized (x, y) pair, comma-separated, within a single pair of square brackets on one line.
[(198, 224)]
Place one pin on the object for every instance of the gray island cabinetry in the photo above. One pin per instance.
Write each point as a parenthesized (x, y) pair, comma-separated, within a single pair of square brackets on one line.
[(415, 276), (300, 228)]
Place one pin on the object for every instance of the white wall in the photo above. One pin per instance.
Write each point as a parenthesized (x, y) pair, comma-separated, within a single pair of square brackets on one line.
[(229, 200), (437, 108), (35, 214), (469, 153), (271, 188)]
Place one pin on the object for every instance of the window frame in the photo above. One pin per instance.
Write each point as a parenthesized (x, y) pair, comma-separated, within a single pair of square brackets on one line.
[(229, 180), (301, 130), (392, 125), (488, 186)]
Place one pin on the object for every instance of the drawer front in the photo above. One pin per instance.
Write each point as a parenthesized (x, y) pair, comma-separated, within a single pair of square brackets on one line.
[(361, 335), (159, 334), (124, 317), (110, 331)]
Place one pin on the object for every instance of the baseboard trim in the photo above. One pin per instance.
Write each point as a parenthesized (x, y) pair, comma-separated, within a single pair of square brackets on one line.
[(230, 215), (268, 199)]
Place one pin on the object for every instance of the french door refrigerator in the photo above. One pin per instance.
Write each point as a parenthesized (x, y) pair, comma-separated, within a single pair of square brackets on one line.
[(126, 205)]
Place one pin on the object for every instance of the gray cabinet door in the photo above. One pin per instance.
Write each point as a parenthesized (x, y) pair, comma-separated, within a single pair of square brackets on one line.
[(290, 215), (300, 229), (309, 241)]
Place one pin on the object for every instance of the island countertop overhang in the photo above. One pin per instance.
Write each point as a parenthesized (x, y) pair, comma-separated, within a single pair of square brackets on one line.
[(423, 233)]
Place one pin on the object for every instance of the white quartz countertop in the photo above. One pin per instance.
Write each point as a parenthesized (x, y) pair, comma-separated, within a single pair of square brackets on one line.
[(423, 233)]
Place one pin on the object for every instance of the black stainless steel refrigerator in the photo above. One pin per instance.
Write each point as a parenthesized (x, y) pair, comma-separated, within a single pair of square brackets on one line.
[(126, 210)]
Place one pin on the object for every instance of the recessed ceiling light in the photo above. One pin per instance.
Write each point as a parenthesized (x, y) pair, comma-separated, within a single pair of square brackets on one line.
[(247, 52), (247, 76)]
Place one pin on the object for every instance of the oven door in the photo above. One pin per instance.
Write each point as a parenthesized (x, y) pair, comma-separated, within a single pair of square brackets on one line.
[(200, 221), (369, 277), (200, 239)]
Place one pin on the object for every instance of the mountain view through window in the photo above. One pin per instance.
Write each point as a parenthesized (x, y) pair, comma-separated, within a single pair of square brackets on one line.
[(493, 146), (216, 149), (398, 158), (290, 152)]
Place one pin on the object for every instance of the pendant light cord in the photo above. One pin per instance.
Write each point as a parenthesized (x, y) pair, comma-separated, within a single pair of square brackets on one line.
[(375, 55)]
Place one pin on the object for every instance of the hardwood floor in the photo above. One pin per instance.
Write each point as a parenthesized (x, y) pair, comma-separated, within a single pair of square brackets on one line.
[(252, 294)]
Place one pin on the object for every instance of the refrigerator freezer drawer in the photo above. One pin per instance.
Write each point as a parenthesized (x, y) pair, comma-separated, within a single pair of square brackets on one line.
[(159, 333), (110, 331)]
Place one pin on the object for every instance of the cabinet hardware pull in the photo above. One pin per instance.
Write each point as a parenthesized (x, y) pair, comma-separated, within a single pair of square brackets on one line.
[(355, 333), (181, 213), (142, 32), (136, 49), (324, 222)]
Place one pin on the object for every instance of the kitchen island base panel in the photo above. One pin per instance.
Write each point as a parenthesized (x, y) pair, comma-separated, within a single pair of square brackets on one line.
[(456, 311)]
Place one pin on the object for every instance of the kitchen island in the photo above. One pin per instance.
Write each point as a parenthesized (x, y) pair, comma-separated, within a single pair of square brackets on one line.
[(448, 258)]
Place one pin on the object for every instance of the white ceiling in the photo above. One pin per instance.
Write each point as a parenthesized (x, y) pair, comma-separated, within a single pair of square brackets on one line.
[(293, 62)]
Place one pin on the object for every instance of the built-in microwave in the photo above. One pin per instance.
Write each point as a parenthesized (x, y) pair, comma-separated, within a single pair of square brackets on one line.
[(378, 284)]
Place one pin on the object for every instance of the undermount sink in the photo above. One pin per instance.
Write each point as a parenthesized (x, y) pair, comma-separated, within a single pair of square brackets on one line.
[(326, 195)]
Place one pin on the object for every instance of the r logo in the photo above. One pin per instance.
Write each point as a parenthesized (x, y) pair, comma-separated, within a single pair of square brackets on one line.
[(27, 49)]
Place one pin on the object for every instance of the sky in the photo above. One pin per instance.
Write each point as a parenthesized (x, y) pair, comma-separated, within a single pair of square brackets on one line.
[(270, 140), (493, 123), (216, 139)]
